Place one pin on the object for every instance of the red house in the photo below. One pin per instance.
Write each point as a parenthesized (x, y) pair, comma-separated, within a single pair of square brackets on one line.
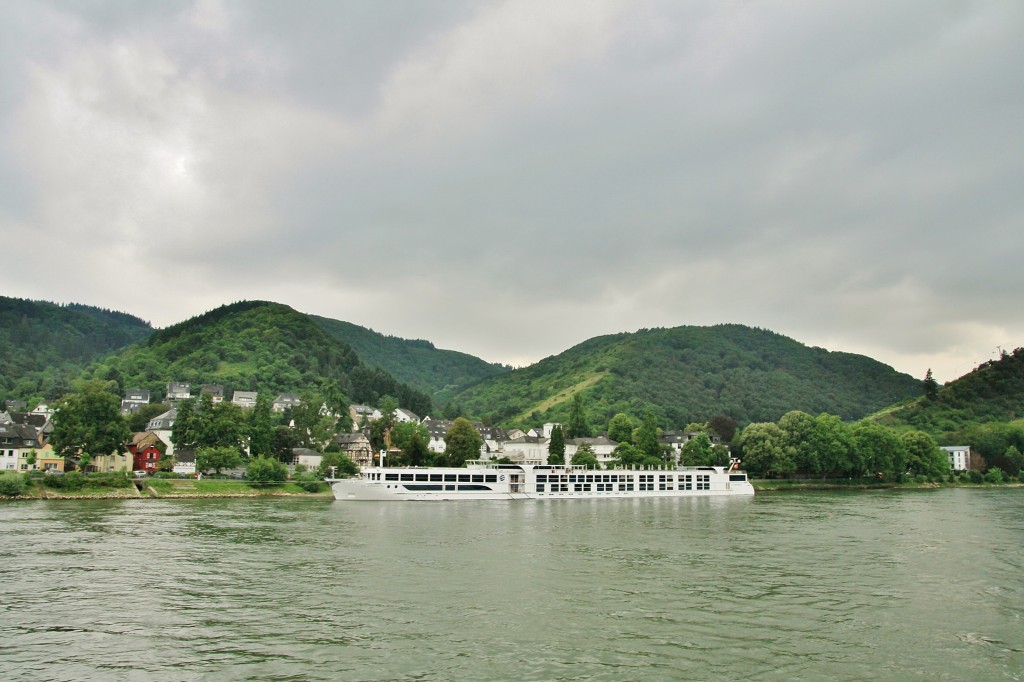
[(145, 451)]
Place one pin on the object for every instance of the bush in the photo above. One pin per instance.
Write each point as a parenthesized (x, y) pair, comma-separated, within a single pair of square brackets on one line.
[(976, 477), (12, 486), (265, 471), (309, 486), (994, 475), (73, 480)]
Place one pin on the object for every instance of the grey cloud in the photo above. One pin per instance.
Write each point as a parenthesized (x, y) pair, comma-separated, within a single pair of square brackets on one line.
[(839, 173)]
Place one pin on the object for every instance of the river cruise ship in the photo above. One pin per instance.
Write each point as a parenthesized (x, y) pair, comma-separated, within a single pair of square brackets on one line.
[(527, 482)]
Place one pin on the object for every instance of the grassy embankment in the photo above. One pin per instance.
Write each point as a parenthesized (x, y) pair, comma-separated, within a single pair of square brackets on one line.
[(155, 488)]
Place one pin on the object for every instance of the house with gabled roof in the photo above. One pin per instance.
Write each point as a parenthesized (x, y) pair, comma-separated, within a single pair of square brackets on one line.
[(133, 400), (286, 400), (357, 446), (362, 414), (216, 392), (601, 445), (244, 399), (405, 416), (177, 390)]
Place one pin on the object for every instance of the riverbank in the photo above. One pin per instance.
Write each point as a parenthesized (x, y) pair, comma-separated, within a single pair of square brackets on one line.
[(783, 485), (173, 489)]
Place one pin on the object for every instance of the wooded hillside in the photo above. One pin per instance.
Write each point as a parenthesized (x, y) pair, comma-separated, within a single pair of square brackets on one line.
[(441, 373), (254, 346), (689, 374), (43, 346)]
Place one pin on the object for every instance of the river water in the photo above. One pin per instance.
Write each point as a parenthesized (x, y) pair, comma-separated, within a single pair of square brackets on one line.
[(910, 585)]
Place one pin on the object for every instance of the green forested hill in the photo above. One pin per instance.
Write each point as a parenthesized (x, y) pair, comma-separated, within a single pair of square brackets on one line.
[(689, 374), (253, 346), (441, 373), (44, 345), (993, 392)]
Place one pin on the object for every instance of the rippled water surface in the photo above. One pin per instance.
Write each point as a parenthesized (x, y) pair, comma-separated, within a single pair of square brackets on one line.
[(847, 586)]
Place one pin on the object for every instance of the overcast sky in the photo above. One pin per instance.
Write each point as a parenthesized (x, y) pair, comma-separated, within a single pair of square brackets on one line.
[(508, 179)]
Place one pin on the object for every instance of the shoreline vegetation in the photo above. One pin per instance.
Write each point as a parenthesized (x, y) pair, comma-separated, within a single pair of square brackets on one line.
[(170, 489)]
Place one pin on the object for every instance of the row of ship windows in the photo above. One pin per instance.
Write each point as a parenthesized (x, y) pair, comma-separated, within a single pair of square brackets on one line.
[(642, 479), (616, 487), (446, 478), (428, 486)]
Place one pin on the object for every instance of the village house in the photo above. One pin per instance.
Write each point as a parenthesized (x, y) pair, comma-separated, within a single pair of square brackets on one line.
[(526, 449), (284, 401), (601, 446), (115, 461), (357, 446), (161, 425), (185, 462), (404, 416), (244, 399), (362, 415), (146, 451), (216, 392), (310, 459), (959, 457), (16, 442), (178, 391), (133, 400)]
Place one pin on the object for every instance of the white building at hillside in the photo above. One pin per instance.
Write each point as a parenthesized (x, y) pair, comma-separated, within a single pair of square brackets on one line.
[(601, 446), (959, 457)]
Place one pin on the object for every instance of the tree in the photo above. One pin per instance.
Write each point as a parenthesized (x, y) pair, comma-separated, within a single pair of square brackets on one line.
[(556, 446), (217, 458), (462, 442), (282, 443), (89, 422), (798, 435), (380, 429), (647, 436), (880, 451), (185, 430), (417, 451), (924, 457), (698, 451), (137, 421), (930, 386), (762, 447), (222, 424), (263, 471), (585, 457), (620, 428), (577, 426), (261, 426), (631, 457), (724, 426), (832, 443), (341, 464)]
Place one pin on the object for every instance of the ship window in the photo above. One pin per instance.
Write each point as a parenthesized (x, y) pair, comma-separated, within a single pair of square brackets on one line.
[(540, 487), (478, 478), (491, 478), (463, 478), (435, 477), (422, 477), (737, 477), (390, 477), (420, 486), (407, 477), (542, 478), (449, 487), (449, 477), (474, 487)]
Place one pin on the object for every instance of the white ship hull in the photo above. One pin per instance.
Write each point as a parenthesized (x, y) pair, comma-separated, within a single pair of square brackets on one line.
[(524, 482)]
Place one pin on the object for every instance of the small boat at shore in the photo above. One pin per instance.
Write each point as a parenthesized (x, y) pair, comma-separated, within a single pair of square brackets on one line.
[(528, 482)]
